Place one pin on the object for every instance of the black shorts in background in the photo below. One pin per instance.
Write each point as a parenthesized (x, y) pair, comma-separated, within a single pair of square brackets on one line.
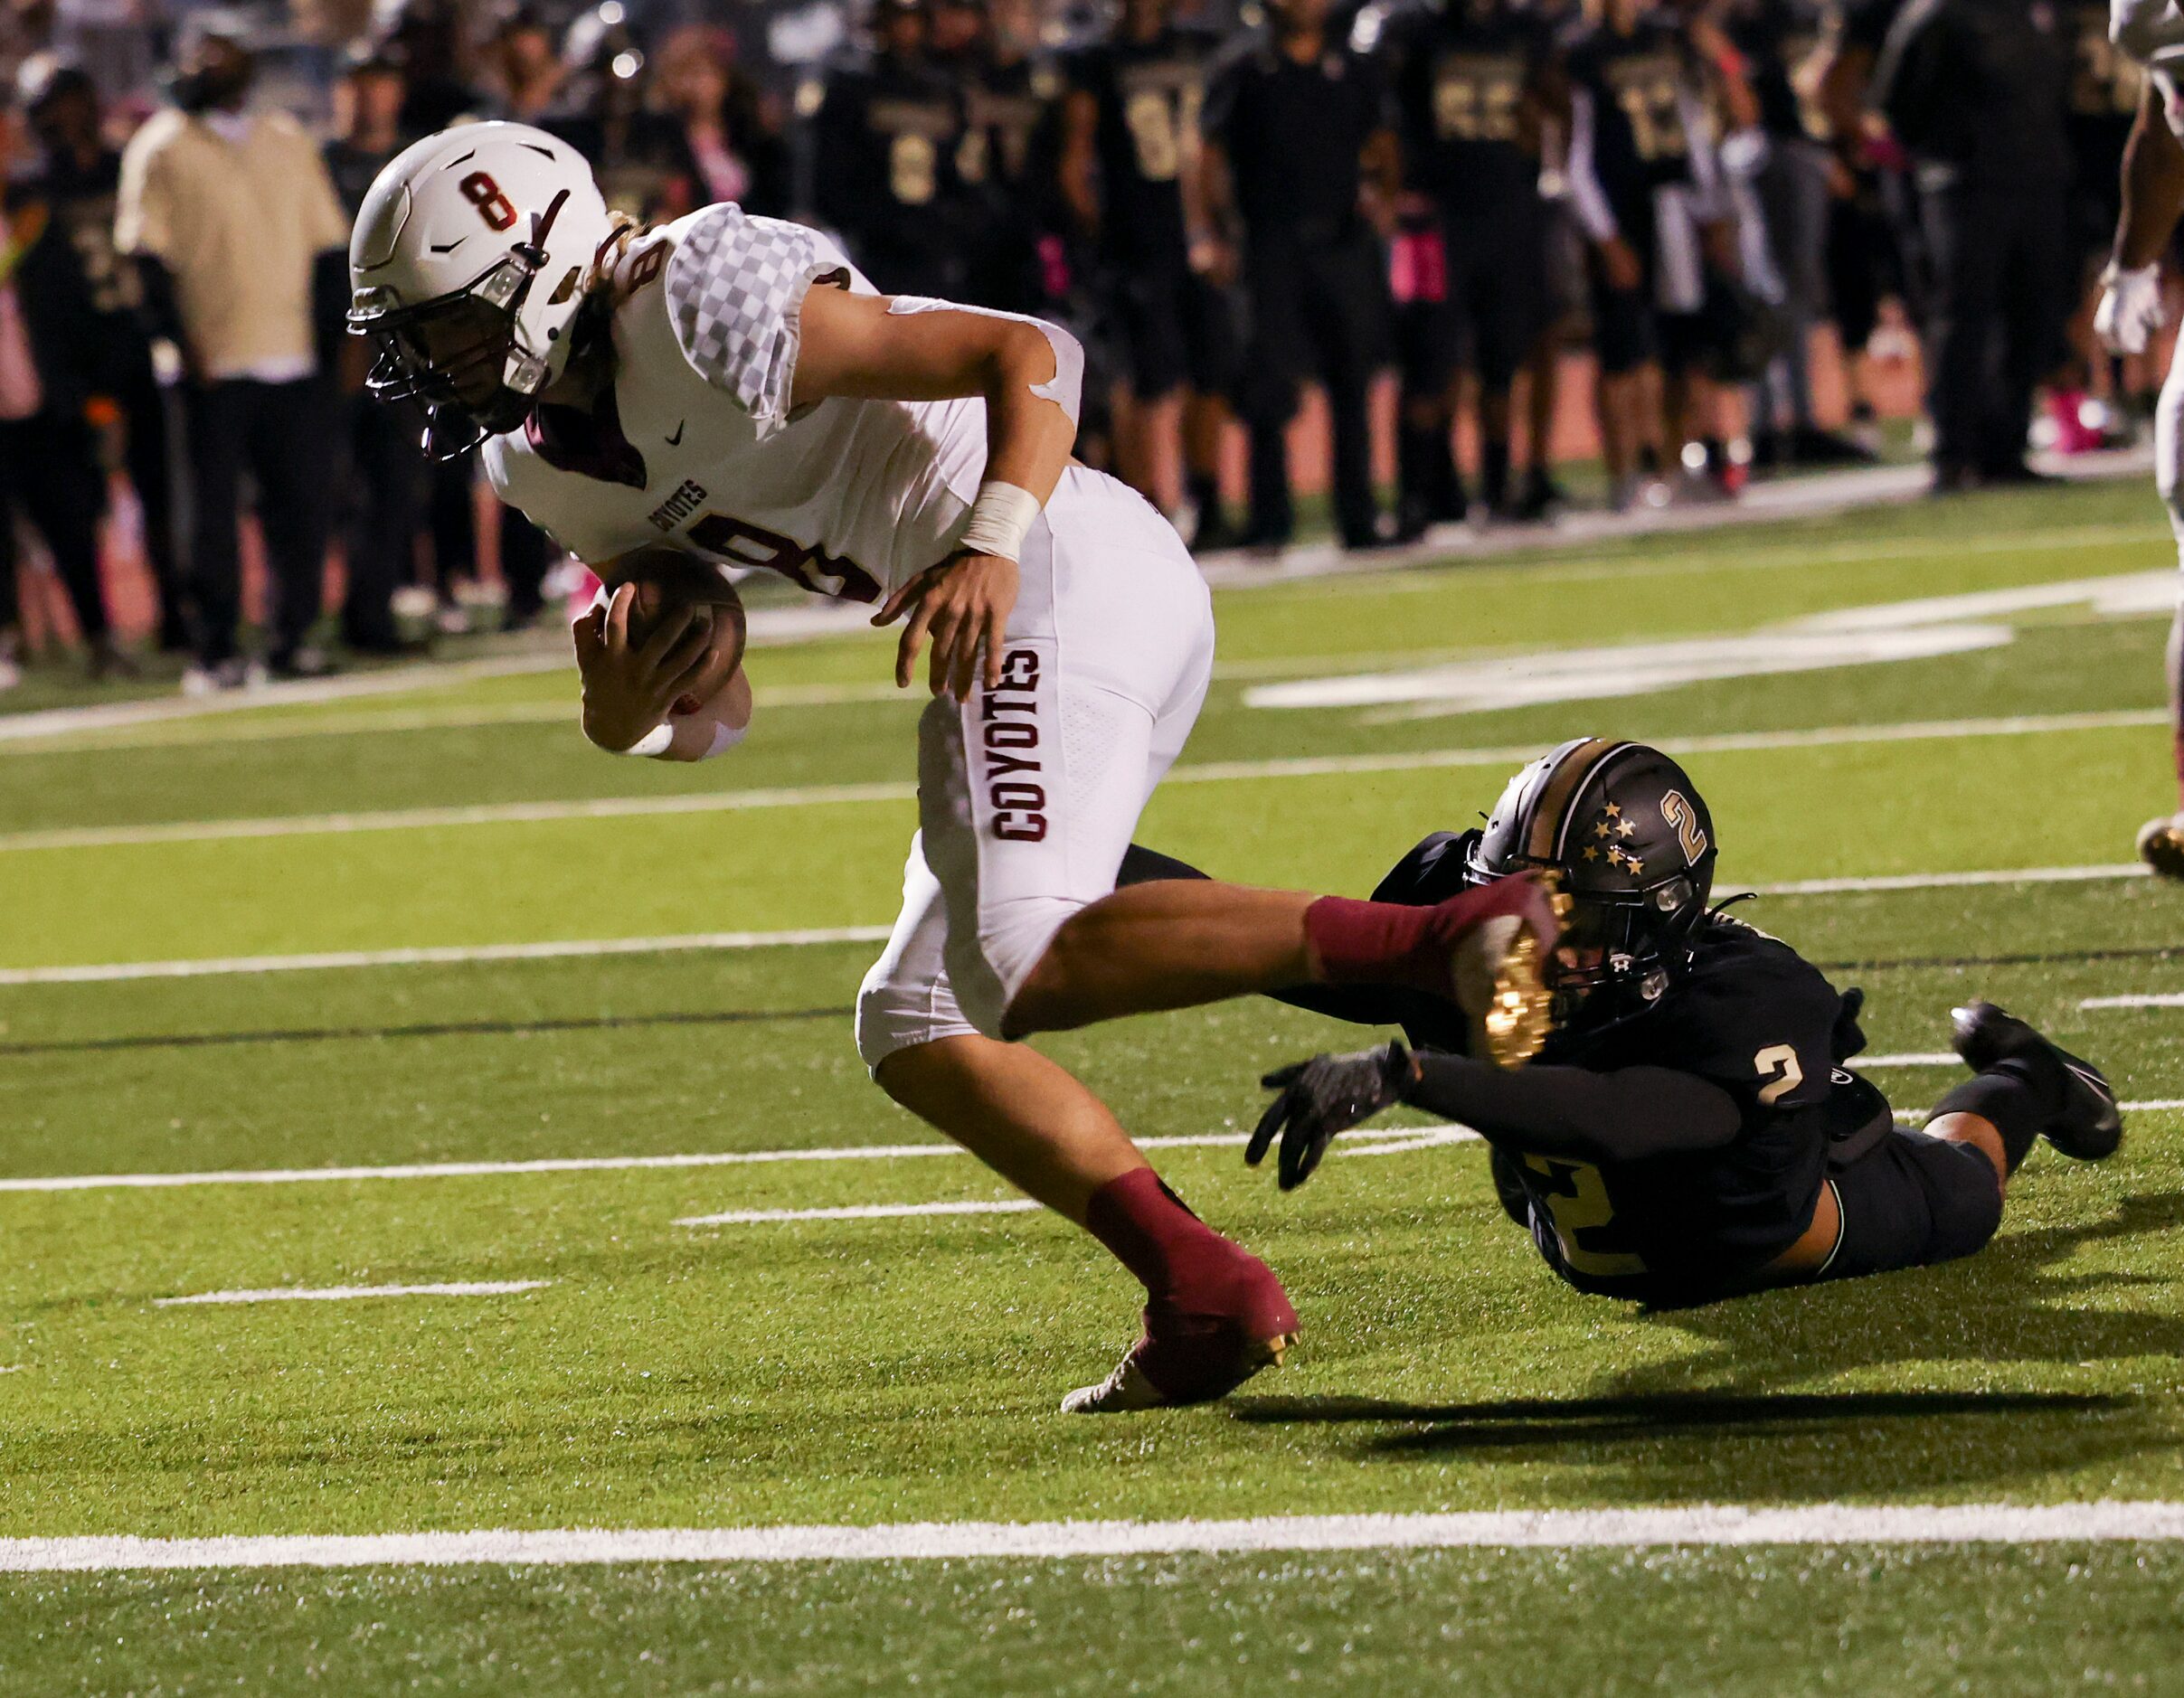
[(1497, 287), (1174, 329)]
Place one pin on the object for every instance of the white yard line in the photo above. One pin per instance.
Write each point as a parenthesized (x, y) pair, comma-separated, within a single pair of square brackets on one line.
[(2168, 999), (1703, 1524), (343, 1294), (1393, 1140), (106, 973), (1952, 880), (1207, 772), (2146, 1105), (1914, 1058), (119, 972), (860, 1212)]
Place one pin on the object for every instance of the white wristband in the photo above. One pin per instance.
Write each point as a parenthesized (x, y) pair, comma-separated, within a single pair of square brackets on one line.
[(1000, 519), (655, 742)]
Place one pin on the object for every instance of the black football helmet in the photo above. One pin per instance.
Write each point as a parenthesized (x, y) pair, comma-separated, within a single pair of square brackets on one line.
[(1631, 842)]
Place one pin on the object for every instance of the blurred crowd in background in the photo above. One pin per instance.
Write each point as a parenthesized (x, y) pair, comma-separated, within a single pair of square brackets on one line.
[(1495, 237)]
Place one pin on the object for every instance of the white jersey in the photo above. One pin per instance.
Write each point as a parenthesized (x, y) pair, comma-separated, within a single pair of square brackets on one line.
[(699, 447)]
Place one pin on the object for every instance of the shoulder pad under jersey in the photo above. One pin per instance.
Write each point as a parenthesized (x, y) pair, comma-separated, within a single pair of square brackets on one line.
[(734, 287)]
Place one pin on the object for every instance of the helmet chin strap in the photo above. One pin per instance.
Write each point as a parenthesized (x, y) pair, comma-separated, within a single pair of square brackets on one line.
[(522, 362)]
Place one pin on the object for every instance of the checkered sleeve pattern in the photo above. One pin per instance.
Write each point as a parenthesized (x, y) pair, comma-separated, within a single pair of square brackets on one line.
[(734, 287)]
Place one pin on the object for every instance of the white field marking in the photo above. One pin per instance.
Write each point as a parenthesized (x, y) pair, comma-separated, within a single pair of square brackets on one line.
[(1801, 497), (1950, 880), (2167, 999), (422, 719), (450, 955), (1393, 1140), (2148, 1105), (1874, 633), (1921, 1058), (118, 972), (2123, 594), (343, 1294), (1701, 1524), (1624, 669), (1206, 772), (859, 1212)]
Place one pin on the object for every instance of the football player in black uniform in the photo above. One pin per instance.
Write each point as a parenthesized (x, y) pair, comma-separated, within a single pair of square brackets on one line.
[(884, 141), (1294, 124), (1646, 185), (1471, 81), (1005, 159), (1691, 1129), (1130, 159)]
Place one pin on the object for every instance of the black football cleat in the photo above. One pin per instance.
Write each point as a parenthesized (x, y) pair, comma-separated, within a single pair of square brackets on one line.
[(2090, 1124), (2162, 846)]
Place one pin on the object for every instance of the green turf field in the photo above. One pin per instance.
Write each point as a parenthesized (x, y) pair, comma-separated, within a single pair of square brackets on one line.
[(655, 1373)]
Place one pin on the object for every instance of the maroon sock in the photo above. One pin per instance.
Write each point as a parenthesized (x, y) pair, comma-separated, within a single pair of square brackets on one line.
[(1383, 943), (1152, 1232)]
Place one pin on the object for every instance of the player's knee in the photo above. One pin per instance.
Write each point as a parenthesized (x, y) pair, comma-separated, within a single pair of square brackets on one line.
[(1014, 978)]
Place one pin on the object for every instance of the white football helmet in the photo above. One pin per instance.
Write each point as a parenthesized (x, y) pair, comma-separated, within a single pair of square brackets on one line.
[(466, 267)]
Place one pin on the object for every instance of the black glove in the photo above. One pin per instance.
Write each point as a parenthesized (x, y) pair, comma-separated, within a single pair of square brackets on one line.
[(1321, 1097)]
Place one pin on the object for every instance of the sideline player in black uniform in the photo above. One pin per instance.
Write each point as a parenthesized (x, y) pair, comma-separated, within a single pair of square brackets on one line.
[(1130, 160), (1690, 1130), (1290, 123), (884, 141), (1005, 159), (1471, 81), (1647, 189)]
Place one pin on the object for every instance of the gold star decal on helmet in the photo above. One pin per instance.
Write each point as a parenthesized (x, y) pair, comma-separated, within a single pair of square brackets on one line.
[(1600, 828), (1614, 856), (1594, 854), (1614, 810), (1626, 829), (1634, 864)]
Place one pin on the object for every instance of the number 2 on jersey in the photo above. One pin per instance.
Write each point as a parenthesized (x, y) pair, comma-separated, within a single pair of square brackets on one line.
[(1578, 1203)]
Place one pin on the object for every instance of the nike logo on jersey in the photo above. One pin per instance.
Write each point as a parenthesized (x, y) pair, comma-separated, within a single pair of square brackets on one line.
[(450, 247), (675, 441)]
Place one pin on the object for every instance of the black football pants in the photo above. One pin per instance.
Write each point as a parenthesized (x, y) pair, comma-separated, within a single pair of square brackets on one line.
[(2001, 268), (279, 433), (1318, 307), (50, 473)]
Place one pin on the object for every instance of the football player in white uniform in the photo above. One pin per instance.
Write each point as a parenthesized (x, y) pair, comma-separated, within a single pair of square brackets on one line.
[(2131, 311), (730, 386)]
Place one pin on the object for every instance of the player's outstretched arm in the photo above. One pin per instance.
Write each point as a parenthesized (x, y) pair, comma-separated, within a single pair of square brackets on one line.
[(1628, 1114), (866, 347)]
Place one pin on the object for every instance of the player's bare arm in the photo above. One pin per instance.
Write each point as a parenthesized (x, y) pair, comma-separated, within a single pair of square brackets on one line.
[(855, 346), (2131, 307)]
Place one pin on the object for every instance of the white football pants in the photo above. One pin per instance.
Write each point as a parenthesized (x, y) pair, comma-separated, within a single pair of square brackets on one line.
[(1027, 793)]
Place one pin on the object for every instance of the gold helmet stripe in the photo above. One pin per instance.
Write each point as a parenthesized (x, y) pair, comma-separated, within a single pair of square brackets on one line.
[(1543, 841)]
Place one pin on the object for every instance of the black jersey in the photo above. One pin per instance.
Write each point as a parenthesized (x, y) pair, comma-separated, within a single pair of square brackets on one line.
[(1294, 133), (1774, 38), (1007, 141), (1750, 1018), (885, 137), (1645, 94), (1149, 96), (1465, 80)]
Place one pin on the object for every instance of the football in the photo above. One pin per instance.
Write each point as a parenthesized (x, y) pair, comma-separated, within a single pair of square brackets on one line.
[(671, 584)]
